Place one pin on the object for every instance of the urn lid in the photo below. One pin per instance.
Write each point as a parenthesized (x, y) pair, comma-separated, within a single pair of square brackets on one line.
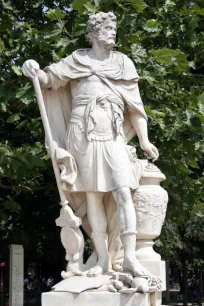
[(151, 170)]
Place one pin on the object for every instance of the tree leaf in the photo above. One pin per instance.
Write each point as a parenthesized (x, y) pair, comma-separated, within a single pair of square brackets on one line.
[(7, 5), (152, 26), (171, 57), (55, 14), (201, 98), (13, 118), (56, 31), (63, 42), (2, 46), (23, 90), (148, 77), (78, 5), (3, 107), (139, 5), (16, 70), (168, 5), (138, 53), (10, 204), (90, 8)]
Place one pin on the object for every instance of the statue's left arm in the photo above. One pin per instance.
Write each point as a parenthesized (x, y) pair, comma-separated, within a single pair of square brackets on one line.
[(137, 113), (140, 125)]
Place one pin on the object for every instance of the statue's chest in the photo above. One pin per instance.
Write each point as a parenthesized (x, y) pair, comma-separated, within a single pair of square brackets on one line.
[(91, 85)]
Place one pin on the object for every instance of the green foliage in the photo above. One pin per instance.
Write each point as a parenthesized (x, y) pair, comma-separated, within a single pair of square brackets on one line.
[(139, 5), (55, 14), (165, 40)]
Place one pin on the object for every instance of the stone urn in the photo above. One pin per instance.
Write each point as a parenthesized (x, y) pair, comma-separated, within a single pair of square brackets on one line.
[(150, 201)]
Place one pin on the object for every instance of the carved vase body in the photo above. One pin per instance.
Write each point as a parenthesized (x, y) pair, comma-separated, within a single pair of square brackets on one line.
[(150, 201)]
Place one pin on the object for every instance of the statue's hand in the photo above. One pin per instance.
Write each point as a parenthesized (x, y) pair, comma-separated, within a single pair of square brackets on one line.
[(30, 67), (150, 151)]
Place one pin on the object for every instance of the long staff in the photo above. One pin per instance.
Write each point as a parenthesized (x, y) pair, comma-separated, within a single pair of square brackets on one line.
[(48, 133), (43, 113)]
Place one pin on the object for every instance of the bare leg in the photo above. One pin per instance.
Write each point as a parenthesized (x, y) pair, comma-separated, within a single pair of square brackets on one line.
[(127, 225), (98, 222)]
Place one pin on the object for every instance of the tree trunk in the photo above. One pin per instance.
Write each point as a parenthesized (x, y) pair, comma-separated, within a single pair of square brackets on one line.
[(167, 282), (201, 284), (185, 284)]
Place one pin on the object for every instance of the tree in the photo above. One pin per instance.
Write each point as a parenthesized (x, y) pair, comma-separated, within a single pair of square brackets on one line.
[(165, 41)]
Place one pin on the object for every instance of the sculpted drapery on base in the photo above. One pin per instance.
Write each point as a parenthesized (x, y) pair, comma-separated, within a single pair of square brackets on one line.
[(94, 108)]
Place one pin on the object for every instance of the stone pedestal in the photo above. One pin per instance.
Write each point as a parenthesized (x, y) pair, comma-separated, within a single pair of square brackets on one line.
[(156, 268), (150, 201), (99, 299)]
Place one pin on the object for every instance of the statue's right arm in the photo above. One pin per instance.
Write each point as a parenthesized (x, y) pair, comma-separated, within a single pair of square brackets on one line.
[(31, 68)]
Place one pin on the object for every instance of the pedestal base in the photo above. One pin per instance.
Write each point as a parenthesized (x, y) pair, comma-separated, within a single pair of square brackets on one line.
[(100, 299), (157, 268)]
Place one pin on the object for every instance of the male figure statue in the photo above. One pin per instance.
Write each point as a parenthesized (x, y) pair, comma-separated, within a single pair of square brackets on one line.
[(103, 87)]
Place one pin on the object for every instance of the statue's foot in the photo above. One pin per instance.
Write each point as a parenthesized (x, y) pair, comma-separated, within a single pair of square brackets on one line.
[(132, 265), (100, 268), (73, 269)]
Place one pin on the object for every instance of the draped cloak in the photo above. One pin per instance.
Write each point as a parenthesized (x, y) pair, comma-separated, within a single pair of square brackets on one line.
[(120, 75)]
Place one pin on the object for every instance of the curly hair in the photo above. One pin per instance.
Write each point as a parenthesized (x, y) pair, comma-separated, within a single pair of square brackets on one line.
[(94, 24)]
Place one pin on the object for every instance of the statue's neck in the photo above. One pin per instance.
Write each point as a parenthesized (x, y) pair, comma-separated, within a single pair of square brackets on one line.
[(99, 52)]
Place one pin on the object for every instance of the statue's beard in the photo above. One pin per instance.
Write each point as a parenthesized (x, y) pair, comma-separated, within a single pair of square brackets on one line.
[(108, 43)]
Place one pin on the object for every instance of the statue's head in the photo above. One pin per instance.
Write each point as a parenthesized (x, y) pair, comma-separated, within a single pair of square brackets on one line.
[(102, 28)]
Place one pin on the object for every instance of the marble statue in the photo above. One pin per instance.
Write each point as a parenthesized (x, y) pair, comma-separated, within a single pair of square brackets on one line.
[(94, 109)]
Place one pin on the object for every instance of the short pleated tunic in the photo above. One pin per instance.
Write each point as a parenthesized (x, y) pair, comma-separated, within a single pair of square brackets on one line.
[(96, 139)]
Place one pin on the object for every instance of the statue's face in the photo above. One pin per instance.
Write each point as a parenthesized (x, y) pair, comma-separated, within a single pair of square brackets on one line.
[(107, 33)]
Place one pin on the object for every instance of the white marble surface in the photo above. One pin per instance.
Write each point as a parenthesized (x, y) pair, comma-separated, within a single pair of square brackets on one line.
[(157, 268), (78, 284), (94, 299)]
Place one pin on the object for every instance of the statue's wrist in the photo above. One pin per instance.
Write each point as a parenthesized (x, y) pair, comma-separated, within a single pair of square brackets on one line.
[(144, 143)]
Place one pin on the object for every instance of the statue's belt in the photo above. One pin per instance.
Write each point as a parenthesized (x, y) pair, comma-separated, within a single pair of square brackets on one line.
[(97, 99)]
